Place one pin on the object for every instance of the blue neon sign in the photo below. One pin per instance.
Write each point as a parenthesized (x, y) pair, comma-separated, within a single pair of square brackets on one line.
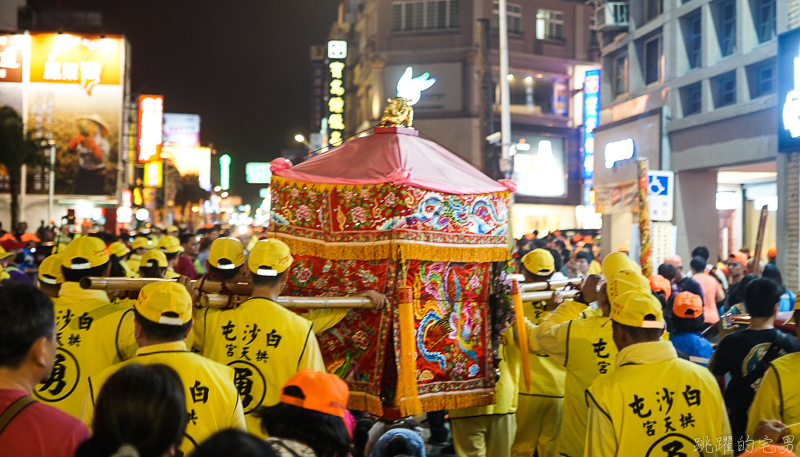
[(591, 118)]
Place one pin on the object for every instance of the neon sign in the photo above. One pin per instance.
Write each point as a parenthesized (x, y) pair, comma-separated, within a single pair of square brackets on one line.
[(336, 90), (412, 88), (151, 125), (225, 172), (618, 151), (591, 118)]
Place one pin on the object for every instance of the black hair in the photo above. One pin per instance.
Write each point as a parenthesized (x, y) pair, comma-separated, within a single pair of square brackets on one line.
[(772, 272), (116, 268), (638, 334), (701, 251), (267, 281), (143, 406), (71, 275), (152, 272), (668, 271), (587, 248), (154, 331), (662, 298), (234, 443), (556, 259), (398, 445), (170, 255), (361, 434), (226, 274), (324, 433), (584, 255), (687, 324), (186, 237), (559, 244), (26, 314), (761, 296), (698, 264), (739, 295)]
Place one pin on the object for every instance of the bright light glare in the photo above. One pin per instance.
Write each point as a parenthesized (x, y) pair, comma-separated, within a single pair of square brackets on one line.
[(217, 189), (224, 195), (299, 138), (242, 230)]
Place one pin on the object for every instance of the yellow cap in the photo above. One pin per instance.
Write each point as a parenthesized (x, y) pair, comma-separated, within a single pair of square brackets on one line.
[(626, 281), (4, 254), (118, 249), (173, 228), (84, 253), (50, 270), (539, 262), (633, 308), (269, 258), (141, 242), (229, 249), (157, 299), (153, 258), (169, 245), (617, 261)]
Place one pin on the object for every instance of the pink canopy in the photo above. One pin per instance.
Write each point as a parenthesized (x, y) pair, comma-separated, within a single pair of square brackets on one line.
[(397, 156)]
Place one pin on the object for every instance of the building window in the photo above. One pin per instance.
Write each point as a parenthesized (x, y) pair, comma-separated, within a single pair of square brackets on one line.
[(725, 89), (620, 72), (425, 15), (537, 95), (652, 61), (764, 17), (761, 77), (513, 16), (653, 9), (549, 25), (727, 27), (692, 99), (692, 38)]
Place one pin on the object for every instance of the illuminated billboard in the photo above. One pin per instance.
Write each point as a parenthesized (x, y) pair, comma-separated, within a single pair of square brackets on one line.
[(151, 124), (591, 119), (789, 91), (181, 130), (337, 52)]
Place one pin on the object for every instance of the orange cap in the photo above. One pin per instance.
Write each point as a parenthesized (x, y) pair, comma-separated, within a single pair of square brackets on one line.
[(771, 449), (687, 305), (325, 393), (661, 284), (674, 260), (740, 257), (772, 252)]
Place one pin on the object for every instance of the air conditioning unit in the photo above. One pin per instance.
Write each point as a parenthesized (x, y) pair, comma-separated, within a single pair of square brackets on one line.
[(612, 15)]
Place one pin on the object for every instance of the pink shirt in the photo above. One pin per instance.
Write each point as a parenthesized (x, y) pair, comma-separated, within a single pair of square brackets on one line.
[(710, 287), (40, 430)]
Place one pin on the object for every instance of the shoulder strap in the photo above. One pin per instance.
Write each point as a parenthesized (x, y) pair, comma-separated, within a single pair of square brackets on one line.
[(773, 352), (14, 409)]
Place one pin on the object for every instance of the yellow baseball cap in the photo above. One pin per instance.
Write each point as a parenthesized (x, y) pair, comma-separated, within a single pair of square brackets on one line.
[(173, 228), (84, 253), (169, 245), (153, 258), (160, 298), (50, 270), (626, 281), (141, 242), (617, 261), (118, 249), (269, 258), (637, 309), (229, 249), (539, 262), (4, 253)]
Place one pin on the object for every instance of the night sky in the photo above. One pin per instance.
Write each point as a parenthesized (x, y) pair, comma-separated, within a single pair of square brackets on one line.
[(242, 65)]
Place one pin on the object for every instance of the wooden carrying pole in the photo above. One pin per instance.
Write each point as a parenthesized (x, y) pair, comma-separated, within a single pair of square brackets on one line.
[(546, 295), (222, 301), (762, 228), (530, 287), (98, 283)]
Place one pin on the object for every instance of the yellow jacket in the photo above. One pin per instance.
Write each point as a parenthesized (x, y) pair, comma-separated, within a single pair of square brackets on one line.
[(507, 398), (574, 336), (133, 264), (262, 340), (547, 374), (92, 335), (778, 395), (656, 401), (212, 402)]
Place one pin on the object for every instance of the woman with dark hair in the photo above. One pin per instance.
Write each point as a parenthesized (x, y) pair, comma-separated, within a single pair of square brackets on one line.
[(140, 412), (687, 323), (309, 420), (234, 443), (787, 297)]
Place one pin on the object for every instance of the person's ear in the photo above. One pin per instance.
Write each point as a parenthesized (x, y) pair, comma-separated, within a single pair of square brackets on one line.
[(39, 353), (137, 330)]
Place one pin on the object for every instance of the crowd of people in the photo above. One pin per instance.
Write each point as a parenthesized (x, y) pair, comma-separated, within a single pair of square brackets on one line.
[(623, 367)]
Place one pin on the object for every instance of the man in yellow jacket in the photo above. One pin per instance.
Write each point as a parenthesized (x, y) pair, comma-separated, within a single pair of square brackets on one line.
[(539, 413), (171, 247), (778, 398), (574, 336), (92, 333), (653, 404), (163, 319), (140, 245)]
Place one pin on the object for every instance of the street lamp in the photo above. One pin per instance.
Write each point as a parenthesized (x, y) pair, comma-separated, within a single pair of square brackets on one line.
[(300, 138)]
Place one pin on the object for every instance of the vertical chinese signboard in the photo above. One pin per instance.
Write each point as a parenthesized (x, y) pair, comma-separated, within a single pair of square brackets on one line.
[(337, 53), (151, 125), (74, 97), (591, 118)]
